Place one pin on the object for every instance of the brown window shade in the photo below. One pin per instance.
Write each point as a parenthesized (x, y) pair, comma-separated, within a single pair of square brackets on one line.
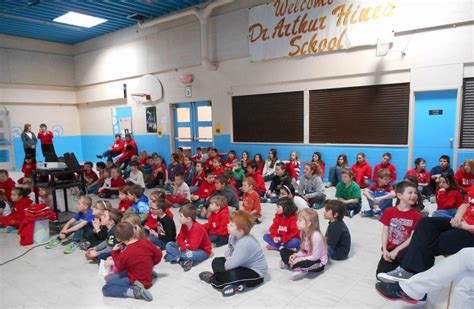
[(467, 122), (268, 118), (360, 115)]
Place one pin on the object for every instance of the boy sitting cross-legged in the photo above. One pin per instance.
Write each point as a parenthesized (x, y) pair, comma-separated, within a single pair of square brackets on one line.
[(80, 226)]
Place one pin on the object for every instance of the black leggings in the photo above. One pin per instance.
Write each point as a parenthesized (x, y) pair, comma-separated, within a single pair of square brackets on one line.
[(47, 148), (433, 237), (236, 276), (306, 266)]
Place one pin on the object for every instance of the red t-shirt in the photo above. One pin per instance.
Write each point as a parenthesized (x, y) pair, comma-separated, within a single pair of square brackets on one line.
[(463, 179), (251, 202), (423, 177), (124, 205), (27, 169), (8, 186), (117, 183), (380, 189), (45, 138), (91, 175), (469, 214), (389, 167), (400, 225), (138, 260)]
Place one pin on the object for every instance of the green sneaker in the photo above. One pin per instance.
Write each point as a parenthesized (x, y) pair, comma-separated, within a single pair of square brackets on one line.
[(71, 248), (53, 243)]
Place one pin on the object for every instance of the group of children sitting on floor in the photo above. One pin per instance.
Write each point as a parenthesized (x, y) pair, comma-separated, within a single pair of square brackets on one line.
[(130, 239)]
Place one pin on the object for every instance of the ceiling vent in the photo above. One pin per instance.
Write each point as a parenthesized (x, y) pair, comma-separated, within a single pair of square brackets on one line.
[(139, 17)]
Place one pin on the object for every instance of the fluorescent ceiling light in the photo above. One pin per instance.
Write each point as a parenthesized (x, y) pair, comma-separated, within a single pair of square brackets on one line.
[(81, 20)]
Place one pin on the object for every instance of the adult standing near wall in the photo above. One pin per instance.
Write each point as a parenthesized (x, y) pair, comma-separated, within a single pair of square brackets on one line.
[(29, 141), (46, 138)]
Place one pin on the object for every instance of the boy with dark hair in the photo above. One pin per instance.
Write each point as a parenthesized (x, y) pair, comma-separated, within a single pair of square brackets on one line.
[(259, 182), (192, 245), (338, 237), (181, 192), (206, 188), (224, 188), (89, 175), (399, 224), (437, 171), (140, 204), (423, 177), (348, 192)]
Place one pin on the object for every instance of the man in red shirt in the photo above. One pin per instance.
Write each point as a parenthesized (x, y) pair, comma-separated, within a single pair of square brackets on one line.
[(115, 149), (46, 138)]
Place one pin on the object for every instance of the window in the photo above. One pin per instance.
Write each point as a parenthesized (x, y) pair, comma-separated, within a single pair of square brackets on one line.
[(268, 118), (360, 115), (467, 122)]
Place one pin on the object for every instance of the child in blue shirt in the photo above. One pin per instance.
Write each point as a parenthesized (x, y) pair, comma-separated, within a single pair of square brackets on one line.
[(140, 204), (80, 227)]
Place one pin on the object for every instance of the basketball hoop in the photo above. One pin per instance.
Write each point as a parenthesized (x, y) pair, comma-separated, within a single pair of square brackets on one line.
[(141, 98)]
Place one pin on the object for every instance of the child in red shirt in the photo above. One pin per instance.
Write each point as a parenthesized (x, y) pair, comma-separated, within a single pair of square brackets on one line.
[(385, 164), (362, 171), (251, 199), (205, 189), (192, 245), (20, 202), (217, 221), (245, 161), (283, 231), (124, 201), (134, 264), (89, 175), (217, 166), (27, 168), (399, 224), (6, 184), (448, 197), (260, 163), (259, 182), (116, 182), (158, 173), (199, 176), (423, 177), (465, 175), (231, 156), (294, 166)]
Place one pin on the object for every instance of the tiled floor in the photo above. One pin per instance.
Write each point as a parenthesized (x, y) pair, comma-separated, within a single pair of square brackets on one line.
[(48, 278)]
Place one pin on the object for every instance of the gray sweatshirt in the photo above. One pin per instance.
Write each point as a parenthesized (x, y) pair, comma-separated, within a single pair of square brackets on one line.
[(311, 187), (246, 252)]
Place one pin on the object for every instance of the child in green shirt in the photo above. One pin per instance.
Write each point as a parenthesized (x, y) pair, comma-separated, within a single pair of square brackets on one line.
[(348, 192), (238, 173)]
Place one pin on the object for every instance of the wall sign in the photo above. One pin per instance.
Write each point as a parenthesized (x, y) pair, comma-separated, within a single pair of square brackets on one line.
[(151, 126), (435, 112), (292, 28), (188, 91), (121, 120)]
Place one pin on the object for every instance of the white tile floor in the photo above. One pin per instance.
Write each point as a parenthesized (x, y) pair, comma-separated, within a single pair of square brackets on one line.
[(49, 279)]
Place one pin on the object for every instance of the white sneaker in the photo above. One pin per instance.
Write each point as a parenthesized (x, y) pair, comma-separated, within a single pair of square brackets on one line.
[(283, 265), (298, 275)]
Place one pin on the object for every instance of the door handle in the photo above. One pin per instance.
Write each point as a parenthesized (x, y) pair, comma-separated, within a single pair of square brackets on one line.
[(451, 142)]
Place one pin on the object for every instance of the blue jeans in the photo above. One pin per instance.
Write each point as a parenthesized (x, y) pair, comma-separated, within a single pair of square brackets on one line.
[(193, 189), (110, 154), (445, 213), (219, 240), (383, 204), (93, 189), (117, 285), (103, 256), (274, 199), (334, 175), (293, 243), (158, 242), (173, 254)]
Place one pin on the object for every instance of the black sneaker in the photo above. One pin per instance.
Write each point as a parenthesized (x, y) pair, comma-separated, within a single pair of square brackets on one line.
[(99, 156), (396, 275), (187, 265), (232, 289), (206, 276), (393, 291), (140, 292)]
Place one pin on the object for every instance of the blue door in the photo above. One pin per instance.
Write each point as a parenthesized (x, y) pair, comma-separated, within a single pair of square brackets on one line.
[(435, 125), (193, 125)]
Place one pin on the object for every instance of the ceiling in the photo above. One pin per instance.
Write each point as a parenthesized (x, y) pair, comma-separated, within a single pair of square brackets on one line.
[(24, 18)]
